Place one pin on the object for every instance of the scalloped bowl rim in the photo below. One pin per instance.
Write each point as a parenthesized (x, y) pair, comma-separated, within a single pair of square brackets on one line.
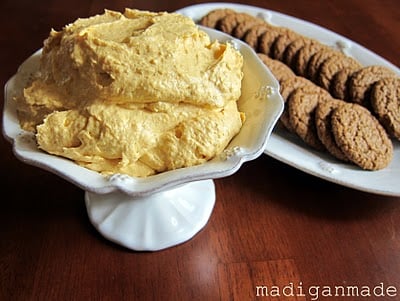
[(26, 150)]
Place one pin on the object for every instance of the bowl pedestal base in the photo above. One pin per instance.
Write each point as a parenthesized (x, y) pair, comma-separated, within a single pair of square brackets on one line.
[(153, 222)]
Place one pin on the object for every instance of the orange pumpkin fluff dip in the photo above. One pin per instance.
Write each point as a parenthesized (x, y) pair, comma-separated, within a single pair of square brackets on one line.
[(136, 93)]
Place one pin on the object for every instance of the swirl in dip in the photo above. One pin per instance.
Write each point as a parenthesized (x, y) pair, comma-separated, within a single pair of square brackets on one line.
[(136, 93)]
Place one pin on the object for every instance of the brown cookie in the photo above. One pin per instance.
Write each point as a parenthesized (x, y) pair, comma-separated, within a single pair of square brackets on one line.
[(361, 137), (323, 115), (385, 101), (339, 83), (301, 105), (252, 36), (316, 60), (279, 45), (287, 86), (292, 49), (241, 29), (228, 23), (333, 65), (280, 70), (267, 39), (303, 56), (361, 82), (212, 18)]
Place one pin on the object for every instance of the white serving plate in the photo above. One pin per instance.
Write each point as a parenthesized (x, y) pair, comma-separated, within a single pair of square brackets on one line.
[(163, 210), (289, 149)]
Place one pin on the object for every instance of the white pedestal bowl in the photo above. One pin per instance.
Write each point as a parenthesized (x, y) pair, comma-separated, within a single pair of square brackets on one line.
[(167, 209)]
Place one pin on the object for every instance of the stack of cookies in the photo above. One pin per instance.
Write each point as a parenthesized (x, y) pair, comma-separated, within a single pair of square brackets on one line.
[(332, 102)]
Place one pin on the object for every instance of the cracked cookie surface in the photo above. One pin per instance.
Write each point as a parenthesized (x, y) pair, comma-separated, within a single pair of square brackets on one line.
[(385, 101), (361, 137)]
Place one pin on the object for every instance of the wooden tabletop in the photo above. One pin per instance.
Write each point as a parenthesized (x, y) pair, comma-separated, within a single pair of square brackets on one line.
[(274, 230)]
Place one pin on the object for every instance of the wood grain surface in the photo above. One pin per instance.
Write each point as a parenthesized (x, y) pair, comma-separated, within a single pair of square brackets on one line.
[(273, 227)]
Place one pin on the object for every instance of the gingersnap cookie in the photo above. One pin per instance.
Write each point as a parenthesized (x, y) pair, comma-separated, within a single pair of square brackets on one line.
[(303, 56), (301, 105), (241, 29), (385, 101), (213, 17), (292, 49), (228, 23), (280, 70), (252, 36), (267, 39), (323, 114), (287, 87), (333, 65), (339, 83), (361, 137), (316, 60), (361, 81), (278, 47)]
